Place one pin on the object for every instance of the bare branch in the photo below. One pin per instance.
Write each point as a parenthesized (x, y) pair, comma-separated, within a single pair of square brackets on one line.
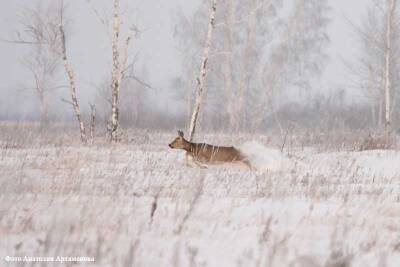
[(67, 101), (363, 34), (245, 18), (44, 89), (103, 19), (139, 81), (23, 42)]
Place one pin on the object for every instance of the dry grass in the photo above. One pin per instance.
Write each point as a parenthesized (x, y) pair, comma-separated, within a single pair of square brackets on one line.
[(378, 141), (137, 204)]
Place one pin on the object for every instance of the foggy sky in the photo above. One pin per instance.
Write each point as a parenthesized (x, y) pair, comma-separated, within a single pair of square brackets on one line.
[(89, 48)]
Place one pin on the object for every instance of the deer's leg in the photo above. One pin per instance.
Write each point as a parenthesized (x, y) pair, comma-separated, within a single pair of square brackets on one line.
[(202, 166), (248, 164), (191, 162), (188, 158)]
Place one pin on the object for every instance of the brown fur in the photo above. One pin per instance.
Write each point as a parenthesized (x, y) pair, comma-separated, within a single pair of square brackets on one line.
[(209, 154)]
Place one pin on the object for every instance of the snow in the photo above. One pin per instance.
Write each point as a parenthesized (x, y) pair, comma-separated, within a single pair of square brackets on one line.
[(140, 205), (263, 158)]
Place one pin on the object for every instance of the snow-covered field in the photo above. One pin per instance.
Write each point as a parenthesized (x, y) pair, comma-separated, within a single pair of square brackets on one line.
[(138, 204)]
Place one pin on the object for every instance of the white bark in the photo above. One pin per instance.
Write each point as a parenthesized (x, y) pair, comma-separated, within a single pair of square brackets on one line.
[(116, 74), (72, 86), (203, 71), (244, 72), (388, 57), (119, 64), (228, 46)]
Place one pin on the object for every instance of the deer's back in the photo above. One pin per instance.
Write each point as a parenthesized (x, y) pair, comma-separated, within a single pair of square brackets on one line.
[(214, 154)]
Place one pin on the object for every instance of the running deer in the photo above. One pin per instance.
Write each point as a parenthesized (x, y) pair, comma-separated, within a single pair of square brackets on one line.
[(209, 154)]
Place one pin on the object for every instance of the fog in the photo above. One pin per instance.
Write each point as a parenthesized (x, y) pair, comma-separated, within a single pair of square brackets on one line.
[(156, 49), (89, 46)]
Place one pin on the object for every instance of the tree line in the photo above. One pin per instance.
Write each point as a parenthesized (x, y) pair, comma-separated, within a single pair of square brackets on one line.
[(241, 61)]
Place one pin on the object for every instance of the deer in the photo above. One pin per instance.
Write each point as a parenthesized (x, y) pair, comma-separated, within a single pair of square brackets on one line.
[(207, 154)]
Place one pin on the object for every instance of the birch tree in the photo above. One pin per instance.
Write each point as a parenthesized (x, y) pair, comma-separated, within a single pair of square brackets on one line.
[(203, 71), (119, 59), (40, 32), (376, 72), (390, 24), (296, 59), (121, 66), (72, 86), (116, 74), (246, 32), (259, 54), (239, 38), (45, 31), (367, 72)]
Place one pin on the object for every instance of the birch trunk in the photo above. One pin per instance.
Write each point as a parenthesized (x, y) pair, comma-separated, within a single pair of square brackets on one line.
[(388, 63), (189, 92), (373, 95), (44, 107), (116, 75), (228, 47), (244, 72), (203, 71), (72, 86)]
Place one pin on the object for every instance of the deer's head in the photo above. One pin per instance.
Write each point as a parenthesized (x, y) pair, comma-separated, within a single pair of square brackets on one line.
[(179, 142)]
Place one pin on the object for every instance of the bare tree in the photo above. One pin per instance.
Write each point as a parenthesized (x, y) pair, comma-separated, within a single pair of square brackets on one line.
[(376, 70), (203, 71), (228, 69), (45, 31), (258, 54), (246, 32), (72, 86), (367, 72), (123, 71), (297, 58), (116, 74), (40, 32), (388, 56), (68, 69), (120, 59)]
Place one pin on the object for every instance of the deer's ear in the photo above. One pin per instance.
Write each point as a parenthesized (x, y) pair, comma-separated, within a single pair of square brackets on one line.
[(180, 133)]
